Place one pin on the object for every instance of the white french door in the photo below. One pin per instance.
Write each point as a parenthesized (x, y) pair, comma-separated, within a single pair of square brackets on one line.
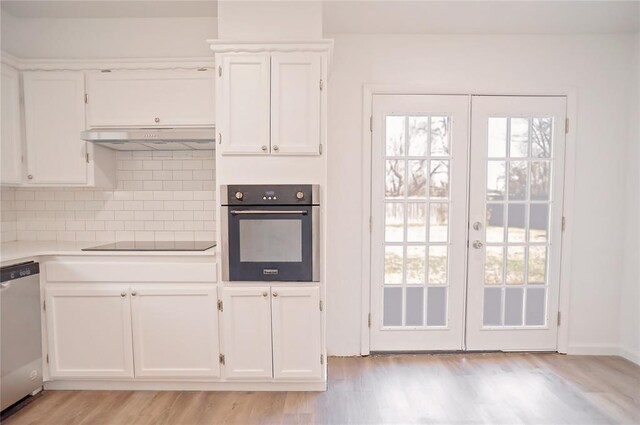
[(466, 232), (515, 212), (419, 189)]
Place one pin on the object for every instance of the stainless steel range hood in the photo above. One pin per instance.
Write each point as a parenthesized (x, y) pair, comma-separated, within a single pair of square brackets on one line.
[(146, 139)]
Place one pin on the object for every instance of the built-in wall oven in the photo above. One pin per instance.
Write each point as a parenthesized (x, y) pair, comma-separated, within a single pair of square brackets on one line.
[(270, 233)]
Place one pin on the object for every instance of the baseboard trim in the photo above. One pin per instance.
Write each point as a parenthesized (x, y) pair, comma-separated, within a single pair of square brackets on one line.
[(184, 386), (632, 356), (593, 350), (604, 350)]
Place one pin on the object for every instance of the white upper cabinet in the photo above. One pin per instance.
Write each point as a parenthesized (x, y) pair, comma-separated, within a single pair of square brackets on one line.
[(11, 148), (175, 330), (54, 118), (244, 103), (247, 332), (89, 331), (296, 333), (270, 103), (153, 98), (295, 103)]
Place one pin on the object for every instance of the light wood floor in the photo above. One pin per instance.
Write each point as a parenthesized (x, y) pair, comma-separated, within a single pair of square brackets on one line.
[(442, 389)]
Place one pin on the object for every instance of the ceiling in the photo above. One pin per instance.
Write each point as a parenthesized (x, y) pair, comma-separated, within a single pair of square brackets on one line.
[(109, 8), (481, 17), (382, 17)]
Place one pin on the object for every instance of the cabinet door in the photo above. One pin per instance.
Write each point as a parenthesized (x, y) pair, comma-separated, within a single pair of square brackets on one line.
[(247, 332), (296, 333), (151, 98), (54, 118), (89, 331), (11, 150), (175, 330), (295, 103), (244, 110)]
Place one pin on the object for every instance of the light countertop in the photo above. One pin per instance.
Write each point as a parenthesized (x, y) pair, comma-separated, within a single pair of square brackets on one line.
[(11, 252)]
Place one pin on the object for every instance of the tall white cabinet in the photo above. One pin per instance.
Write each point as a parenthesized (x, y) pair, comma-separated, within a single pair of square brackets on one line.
[(11, 142), (271, 102)]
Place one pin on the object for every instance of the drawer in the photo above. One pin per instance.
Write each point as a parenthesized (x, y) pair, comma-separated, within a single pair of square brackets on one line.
[(87, 271)]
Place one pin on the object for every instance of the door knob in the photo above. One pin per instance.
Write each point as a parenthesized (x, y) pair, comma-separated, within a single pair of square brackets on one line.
[(276, 148), (157, 120), (265, 293), (477, 225), (275, 294), (477, 244), (264, 148), (134, 293), (123, 294), (30, 176)]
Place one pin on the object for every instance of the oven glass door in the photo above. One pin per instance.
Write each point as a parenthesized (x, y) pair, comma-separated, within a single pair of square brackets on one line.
[(270, 243)]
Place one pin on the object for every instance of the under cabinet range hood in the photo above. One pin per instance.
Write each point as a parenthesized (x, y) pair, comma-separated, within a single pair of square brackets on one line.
[(148, 139)]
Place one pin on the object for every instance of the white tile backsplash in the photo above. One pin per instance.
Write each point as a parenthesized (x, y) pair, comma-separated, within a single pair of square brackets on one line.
[(159, 196), (8, 216)]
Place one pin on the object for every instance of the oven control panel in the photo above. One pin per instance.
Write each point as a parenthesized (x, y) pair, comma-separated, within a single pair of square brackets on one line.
[(286, 194)]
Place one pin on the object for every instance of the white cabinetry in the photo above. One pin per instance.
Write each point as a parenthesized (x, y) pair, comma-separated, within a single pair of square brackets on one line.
[(89, 331), (295, 103), (296, 325), (271, 103), (247, 332), (11, 148), (54, 117), (244, 110), (151, 98), (290, 317), (175, 330)]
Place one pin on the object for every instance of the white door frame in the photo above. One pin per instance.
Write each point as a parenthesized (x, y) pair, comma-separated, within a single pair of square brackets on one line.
[(571, 93)]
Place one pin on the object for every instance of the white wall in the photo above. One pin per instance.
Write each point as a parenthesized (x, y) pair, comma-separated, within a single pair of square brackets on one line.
[(269, 20), (599, 67), (80, 38), (630, 288)]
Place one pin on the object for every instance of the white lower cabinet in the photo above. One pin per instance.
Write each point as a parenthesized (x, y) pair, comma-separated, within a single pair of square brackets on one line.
[(173, 334), (295, 320), (247, 332), (272, 333), (89, 331), (175, 331)]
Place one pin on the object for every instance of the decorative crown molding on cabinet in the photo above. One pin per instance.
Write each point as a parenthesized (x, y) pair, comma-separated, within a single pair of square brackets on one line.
[(103, 64), (286, 46)]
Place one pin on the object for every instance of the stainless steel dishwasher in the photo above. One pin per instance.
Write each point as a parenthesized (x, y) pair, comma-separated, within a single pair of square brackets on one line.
[(20, 332)]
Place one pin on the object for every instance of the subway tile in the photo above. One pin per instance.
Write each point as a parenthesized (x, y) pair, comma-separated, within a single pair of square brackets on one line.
[(143, 215), (160, 195), (114, 225), (95, 225), (152, 185), (133, 185)]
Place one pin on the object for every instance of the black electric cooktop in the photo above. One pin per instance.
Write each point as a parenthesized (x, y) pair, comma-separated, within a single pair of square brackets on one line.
[(154, 246)]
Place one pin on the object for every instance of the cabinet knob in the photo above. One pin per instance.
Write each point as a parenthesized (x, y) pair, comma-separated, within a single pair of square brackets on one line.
[(275, 294), (123, 294), (134, 293), (157, 120), (264, 148), (30, 176), (265, 293), (276, 148)]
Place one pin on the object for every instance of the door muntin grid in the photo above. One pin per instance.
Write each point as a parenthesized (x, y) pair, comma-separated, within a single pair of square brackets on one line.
[(518, 205), (417, 163)]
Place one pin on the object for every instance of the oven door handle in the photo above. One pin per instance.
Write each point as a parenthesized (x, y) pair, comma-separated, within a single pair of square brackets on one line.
[(242, 212)]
